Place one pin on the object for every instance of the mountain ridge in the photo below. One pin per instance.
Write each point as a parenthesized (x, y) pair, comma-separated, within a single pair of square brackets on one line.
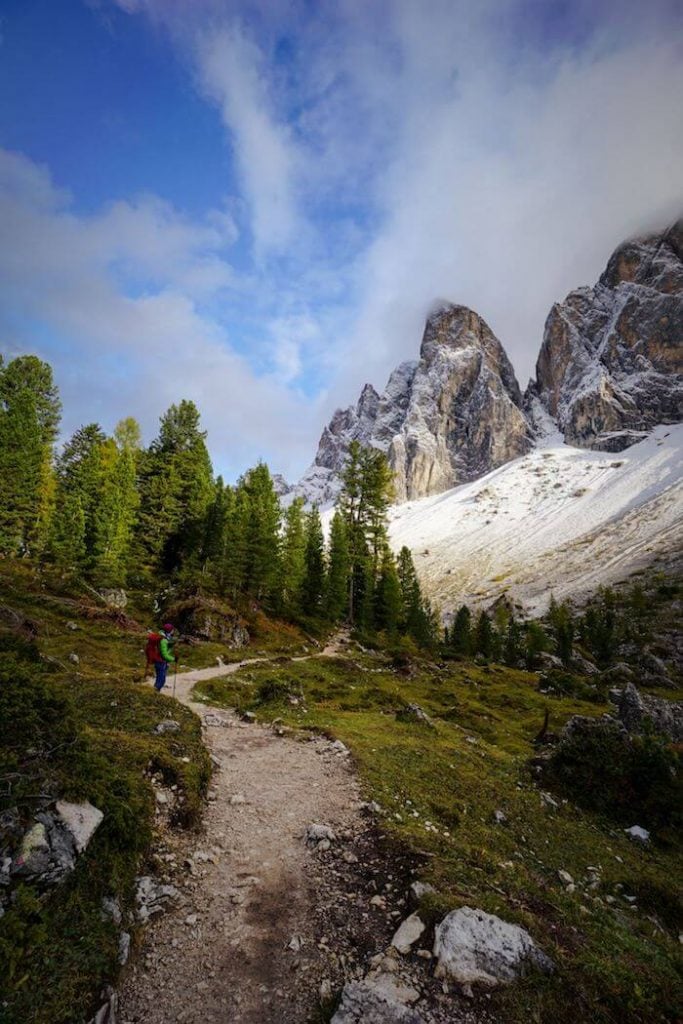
[(609, 369)]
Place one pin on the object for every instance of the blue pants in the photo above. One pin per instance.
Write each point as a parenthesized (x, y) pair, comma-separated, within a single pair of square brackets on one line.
[(160, 669)]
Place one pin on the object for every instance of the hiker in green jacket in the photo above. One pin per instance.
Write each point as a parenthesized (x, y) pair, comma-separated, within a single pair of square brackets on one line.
[(166, 655)]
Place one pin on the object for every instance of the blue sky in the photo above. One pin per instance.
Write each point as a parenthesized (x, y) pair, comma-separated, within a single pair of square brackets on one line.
[(254, 204)]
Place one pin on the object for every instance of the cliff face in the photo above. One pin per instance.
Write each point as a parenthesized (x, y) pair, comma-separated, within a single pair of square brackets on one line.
[(464, 415), (611, 363), (446, 419)]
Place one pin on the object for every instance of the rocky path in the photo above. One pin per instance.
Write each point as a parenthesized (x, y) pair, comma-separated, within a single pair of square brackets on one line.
[(244, 942), (270, 920)]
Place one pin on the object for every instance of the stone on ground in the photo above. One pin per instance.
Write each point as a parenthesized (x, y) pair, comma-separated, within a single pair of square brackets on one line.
[(475, 948), (363, 1002)]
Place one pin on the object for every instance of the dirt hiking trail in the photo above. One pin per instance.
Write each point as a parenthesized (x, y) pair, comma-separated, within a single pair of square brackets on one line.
[(243, 943), (268, 924)]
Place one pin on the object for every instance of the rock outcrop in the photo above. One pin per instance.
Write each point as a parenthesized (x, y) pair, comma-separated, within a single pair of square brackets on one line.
[(611, 362), (446, 419), (464, 415)]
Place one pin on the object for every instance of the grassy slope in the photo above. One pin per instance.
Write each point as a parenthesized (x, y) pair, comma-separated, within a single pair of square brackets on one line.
[(439, 790), (56, 952)]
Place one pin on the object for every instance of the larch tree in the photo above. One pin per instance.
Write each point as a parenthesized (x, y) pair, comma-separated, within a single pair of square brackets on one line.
[(29, 420)]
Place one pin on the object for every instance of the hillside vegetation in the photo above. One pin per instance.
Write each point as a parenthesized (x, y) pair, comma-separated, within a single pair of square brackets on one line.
[(493, 832)]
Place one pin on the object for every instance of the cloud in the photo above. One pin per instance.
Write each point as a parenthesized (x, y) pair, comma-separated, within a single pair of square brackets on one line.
[(386, 154), (117, 351), (233, 72)]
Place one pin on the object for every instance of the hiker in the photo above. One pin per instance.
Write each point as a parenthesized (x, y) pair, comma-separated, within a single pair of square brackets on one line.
[(160, 653)]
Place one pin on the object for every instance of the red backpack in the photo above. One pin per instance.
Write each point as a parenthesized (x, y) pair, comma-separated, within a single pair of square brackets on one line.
[(152, 649)]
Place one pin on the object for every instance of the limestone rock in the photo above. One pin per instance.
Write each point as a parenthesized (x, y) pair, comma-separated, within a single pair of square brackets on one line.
[(407, 934), (81, 820), (446, 419), (168, 725), (639, 711), (50, 848), (464, 416), (317, 834), (151, 897), (475, 948), (364, 1002), (114, 597), (638, 833), (611, 363)]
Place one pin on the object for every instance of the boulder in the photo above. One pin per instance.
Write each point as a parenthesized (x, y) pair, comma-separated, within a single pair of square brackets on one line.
[(366, 1002), (638, 833), (476, 948), (640, 712), (209, 620), (652, 666), (407, 934), (81, 820), (50, 848), (114, 597)]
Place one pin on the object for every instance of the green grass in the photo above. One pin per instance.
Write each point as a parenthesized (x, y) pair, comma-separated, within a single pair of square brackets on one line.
[(439, 790)]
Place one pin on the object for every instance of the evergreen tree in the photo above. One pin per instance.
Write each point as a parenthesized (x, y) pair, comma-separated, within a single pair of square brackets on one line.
[(83, 478), (513, 646), (262, 569), (337, 582), (366, 492), (314, 576), (461, 632), (536, 642), (29, 419), (484, 639), (388, 596), (67, 537), (411, 597), (176, 490), (293, 565)]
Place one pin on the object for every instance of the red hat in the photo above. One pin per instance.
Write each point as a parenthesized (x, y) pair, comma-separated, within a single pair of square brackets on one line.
[(168, 627)]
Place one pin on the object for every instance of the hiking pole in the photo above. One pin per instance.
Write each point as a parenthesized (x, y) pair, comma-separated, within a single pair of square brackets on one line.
[(175, 675)]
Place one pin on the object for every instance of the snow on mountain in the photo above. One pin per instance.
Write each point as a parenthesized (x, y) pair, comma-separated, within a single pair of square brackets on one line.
[(560, 519), (611, 362)]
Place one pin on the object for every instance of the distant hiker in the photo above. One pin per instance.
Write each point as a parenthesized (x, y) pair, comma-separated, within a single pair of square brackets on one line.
[(159, 653)]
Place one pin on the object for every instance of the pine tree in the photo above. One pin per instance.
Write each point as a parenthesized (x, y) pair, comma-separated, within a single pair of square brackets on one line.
[(388, 596), (82, 490), (366, 492), (293, 563), (29, 419), (262, 570), (337, 582), (67, 537), (461, 632), (536, 642), (176, 489), (313, 585), (512, 646), (484, 642)]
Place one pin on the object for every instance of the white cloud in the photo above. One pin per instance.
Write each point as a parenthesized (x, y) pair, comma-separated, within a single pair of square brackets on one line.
[(489, 153), (232, 71), (121, 353)]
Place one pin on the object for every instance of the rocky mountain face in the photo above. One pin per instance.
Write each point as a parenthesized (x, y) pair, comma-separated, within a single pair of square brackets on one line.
[(446, 419), (609, 370), (611, 363)]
